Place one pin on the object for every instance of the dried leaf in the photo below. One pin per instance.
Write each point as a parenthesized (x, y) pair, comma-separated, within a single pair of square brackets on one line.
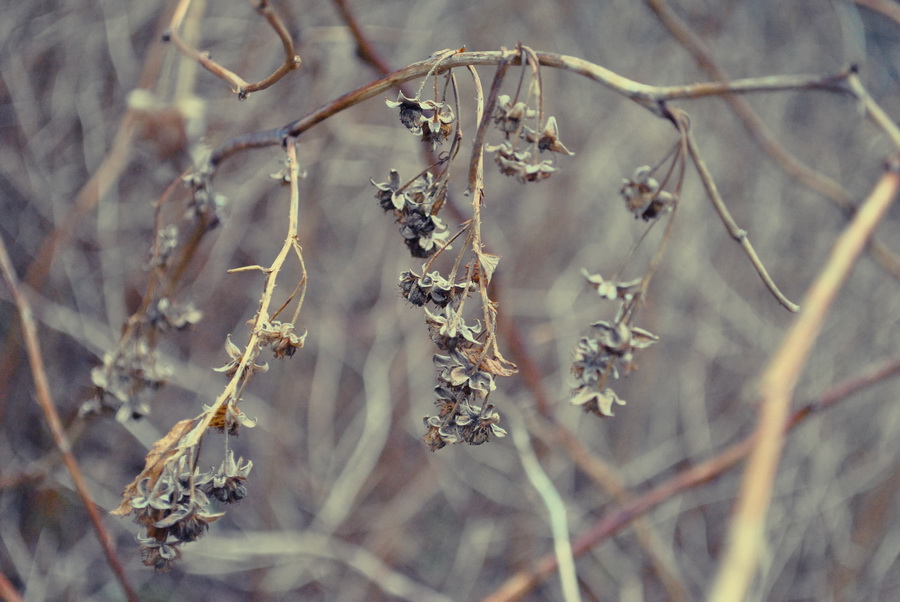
[(488, 264), (499, 366), (156, 459)]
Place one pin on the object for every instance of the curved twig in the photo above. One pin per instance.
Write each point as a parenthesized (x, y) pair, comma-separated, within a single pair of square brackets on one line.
[(238, 85), (757, 129)]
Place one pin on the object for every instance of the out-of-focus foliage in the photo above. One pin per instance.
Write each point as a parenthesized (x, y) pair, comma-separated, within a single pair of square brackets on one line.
[(344, 500)]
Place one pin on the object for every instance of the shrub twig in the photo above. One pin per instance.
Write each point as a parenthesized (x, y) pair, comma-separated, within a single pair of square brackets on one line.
[(238, 85), (44, 399), (645, 95), (758, 130)]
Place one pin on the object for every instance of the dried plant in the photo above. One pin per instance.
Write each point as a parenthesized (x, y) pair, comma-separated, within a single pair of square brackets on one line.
[(453, 290)]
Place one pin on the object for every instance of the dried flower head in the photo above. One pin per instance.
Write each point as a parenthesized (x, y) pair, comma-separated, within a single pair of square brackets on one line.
[(123, 380), (280, 337), (643, 196), (597, 402), (414, 205), (165, 315), (229, 418), (518, 163), (548, 139), (611, 290), (510, 116), (430, 118), (430, 287), (465, 423), (228, 483), (236, 357)]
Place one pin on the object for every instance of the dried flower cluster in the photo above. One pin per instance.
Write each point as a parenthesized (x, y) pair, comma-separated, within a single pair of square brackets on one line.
[(172, 500), (465, 382), (176, 504), (514, 159), (204, 202), (609, 349), (123, 380), (430, 287), (431, 120), (644, 196), (415, 205), (133, 370)]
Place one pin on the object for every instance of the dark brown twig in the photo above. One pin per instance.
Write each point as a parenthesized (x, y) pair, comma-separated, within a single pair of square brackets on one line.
[(48, 407), (364, 48)]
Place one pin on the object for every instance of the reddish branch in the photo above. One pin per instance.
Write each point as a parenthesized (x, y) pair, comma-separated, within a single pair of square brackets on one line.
[(48, 407)]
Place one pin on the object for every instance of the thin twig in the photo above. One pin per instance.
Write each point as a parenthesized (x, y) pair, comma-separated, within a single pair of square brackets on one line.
[(523, 582), (736, 233), (747, 530), (364, 48), (238, 85), (252, 348), (877, 114), (48, 407)]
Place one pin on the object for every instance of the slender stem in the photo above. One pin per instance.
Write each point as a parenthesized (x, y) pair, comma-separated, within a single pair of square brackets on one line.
[(556, 509), (736, 233), (874, 110), (48, 407), (251, 350)]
